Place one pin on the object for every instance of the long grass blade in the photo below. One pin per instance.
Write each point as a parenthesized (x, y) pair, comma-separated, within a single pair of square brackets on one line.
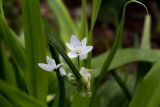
[(95, 9), (19, 97), (84, 24), (148, 90), (144, 67), (65, 22), (35, 47), (61, 83), (125, 56), (145, 44), (5, 102), (6, 67), (10, 39), (1, 8)]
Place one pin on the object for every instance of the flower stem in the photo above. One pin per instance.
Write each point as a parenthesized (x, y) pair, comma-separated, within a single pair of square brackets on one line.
[(60, 79), (78, 63), (61, 90), (122, 85)]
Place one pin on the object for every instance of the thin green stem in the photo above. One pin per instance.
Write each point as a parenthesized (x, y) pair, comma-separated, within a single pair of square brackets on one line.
[(61, 84), (61, 90), (78, 63), (122, 84)]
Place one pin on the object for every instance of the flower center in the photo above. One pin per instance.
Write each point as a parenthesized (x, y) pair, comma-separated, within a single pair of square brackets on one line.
[(78, 51)]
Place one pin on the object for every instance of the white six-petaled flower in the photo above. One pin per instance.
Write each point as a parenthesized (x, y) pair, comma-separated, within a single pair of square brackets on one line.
[(51, 65), (78, 49)]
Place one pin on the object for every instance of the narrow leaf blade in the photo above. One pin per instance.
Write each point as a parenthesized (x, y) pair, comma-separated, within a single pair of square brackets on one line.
[(148, 90), (66, 24), (19, 97), (35, 46)]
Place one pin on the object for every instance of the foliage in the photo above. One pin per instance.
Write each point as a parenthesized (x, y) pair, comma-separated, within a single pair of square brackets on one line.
[(23, 83)]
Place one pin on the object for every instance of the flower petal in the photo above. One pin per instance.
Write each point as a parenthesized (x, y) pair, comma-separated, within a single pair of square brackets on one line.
[(46, 67), (84, 41), (70, 46), (74, 40), (51, 61), (85, 73), (62, 72), (82, 56), (87, 49), (72, 54), (59, 65)]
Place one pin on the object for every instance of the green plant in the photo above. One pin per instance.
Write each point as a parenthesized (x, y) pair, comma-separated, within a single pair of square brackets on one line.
[(23, 83)]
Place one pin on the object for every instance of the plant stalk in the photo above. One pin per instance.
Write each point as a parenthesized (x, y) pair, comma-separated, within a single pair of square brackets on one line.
[(61, 84), (122, 84)]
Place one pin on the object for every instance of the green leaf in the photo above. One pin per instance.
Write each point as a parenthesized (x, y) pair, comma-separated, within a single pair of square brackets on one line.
[(111, 95), (148, 90), (79, 101), (84, 24), (145, 44), (125, 56), (61, 83), (84, 31), (65, 22), (36, 48), (95, 10), (18, 97), (5, 102), (1, 8), (6, 67), (10, 39), (144, 67)]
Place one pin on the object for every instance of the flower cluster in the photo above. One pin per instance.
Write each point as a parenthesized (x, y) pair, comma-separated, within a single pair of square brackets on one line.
[(77, 49)]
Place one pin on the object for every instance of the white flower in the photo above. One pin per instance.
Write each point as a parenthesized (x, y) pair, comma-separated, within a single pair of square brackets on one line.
[(62, 72), (78, 49), (85, 73), (51, 65)]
